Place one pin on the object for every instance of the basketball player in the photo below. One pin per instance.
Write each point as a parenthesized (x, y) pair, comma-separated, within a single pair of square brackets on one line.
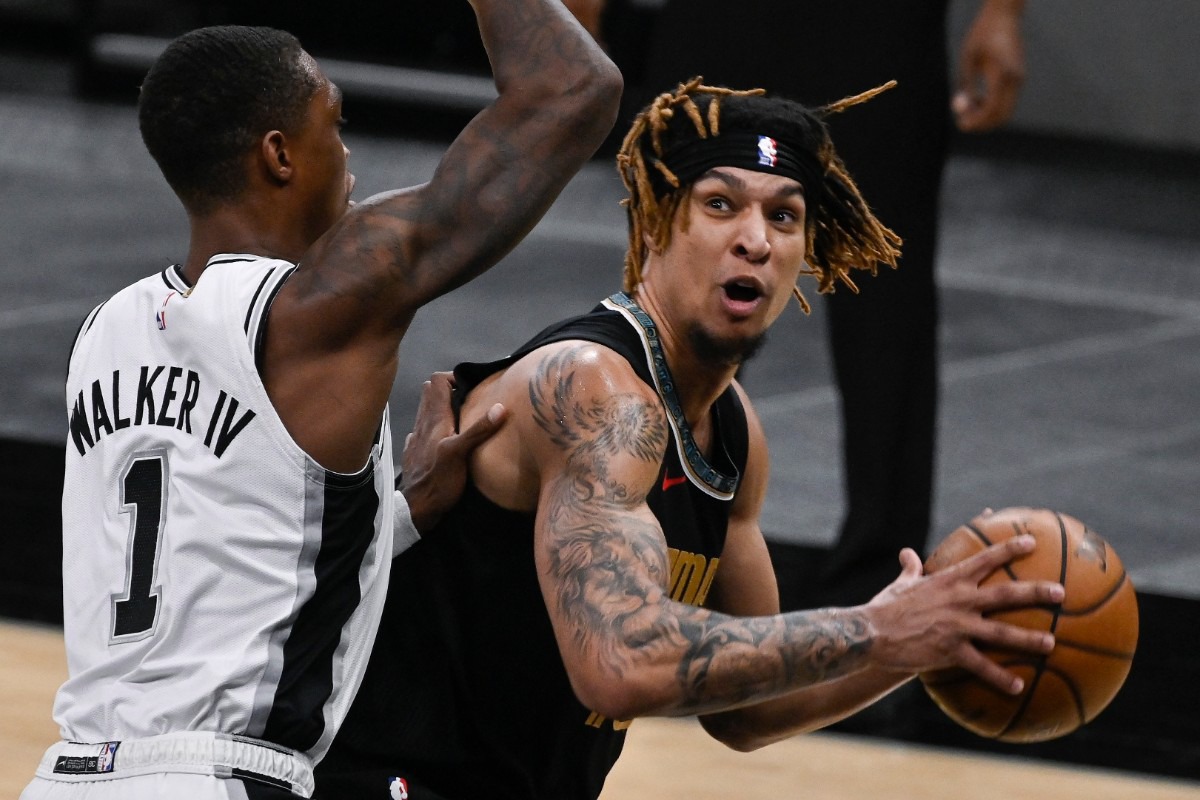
[(229, 509), (605, 561), (883, 341)]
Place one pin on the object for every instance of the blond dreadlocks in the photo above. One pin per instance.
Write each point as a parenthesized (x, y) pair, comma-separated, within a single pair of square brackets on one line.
[(842, 232)]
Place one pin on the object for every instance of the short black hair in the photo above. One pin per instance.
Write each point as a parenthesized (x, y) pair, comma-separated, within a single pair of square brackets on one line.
[(843, 233), (210, 97)]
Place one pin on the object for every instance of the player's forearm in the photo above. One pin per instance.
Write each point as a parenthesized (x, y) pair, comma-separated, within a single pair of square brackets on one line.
[(632, 652), (751, 727), (558, 99), (683, 660), (538, 47)]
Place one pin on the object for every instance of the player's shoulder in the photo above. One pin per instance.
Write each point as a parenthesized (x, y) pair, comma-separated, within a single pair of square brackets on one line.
[(571, 379), (578, 360), (576, 398)]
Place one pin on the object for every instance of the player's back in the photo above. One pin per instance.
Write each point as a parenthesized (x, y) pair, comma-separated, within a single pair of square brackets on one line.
[(215, 573)]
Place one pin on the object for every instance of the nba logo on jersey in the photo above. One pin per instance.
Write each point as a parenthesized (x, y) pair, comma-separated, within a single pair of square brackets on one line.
[(398, 788), (106, 759), (161, 316), (768, 154)]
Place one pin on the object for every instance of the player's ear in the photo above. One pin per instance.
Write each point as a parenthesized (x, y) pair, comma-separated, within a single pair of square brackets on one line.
[(273, 149), (649, 243)]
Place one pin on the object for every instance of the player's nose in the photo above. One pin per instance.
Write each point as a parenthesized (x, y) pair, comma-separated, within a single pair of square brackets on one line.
[(752, 241)]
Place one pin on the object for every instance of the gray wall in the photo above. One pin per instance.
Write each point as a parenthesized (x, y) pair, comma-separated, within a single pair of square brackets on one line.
[(1126, 71)]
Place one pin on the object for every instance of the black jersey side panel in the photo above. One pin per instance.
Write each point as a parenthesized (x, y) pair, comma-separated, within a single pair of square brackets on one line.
[(306, 681)]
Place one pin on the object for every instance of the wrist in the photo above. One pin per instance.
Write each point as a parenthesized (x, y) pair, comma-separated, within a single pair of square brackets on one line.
[(405, 531)]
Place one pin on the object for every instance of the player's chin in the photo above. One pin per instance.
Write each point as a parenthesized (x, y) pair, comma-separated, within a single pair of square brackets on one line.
[(725, 348)]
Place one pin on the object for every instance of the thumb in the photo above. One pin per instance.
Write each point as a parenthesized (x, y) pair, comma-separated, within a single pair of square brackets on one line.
[(481, 429), (910, 564)]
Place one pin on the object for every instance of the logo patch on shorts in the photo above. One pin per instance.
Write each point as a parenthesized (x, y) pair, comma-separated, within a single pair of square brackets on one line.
[(398, 787), (103, 760)]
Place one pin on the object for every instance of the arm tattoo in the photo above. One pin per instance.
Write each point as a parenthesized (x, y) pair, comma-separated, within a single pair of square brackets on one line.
[(736, 659), (610, 564), (594, 432)]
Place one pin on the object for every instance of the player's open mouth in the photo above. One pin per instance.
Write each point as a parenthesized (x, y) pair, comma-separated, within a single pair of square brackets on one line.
[(743, 295), (742, 291)]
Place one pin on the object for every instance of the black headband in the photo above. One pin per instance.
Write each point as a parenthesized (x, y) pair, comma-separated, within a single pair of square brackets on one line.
[(691, 159)]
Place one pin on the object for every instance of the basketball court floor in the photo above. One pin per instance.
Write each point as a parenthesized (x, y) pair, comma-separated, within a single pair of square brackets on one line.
[(671, 759), (1071, 380)]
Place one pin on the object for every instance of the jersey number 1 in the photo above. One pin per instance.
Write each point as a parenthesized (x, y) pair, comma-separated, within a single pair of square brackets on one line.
[(143, 495)]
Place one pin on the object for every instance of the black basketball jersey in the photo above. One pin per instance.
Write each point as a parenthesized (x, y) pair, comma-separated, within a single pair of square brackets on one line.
[(466, 695)]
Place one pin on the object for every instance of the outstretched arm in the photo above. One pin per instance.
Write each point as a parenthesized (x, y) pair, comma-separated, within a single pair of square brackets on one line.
[(598, 434), (337, 323), (558, 95)]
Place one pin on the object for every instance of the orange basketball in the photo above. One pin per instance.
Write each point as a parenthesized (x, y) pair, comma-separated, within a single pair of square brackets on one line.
[(1095, 629)]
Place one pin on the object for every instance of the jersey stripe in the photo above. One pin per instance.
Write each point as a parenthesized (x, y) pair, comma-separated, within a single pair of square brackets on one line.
[(257, 330), (250, 312), (306, 681), (173, 277)]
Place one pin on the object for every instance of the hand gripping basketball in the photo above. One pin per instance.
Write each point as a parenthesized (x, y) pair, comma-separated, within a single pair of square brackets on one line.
[(1095, 629), (939, 621)]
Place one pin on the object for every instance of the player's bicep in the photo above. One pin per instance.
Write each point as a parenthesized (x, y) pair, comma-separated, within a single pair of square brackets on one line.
[(598, 436)]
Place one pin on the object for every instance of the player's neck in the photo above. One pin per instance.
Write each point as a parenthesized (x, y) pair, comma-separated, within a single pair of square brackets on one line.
[(698, 381), (237, 229)]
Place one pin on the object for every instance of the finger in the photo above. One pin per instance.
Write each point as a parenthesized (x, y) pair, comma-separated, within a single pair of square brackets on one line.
[(988, 560), (989, 671), (1015, 594), (435, 412), (910, 564), (439, 387), (423, 403), (481, 429), (1006, 636)]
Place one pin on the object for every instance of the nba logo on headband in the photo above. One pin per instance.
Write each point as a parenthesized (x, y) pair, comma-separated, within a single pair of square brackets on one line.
[(768, 153)]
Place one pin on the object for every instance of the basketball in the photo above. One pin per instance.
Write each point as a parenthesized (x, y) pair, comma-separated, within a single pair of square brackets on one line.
[(1095, 629)]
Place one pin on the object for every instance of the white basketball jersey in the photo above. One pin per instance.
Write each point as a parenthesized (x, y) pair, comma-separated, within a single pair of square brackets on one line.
[(215, 577)]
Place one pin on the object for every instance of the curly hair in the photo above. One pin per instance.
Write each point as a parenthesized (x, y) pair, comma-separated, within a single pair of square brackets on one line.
[(842, 232), (211, 96)]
